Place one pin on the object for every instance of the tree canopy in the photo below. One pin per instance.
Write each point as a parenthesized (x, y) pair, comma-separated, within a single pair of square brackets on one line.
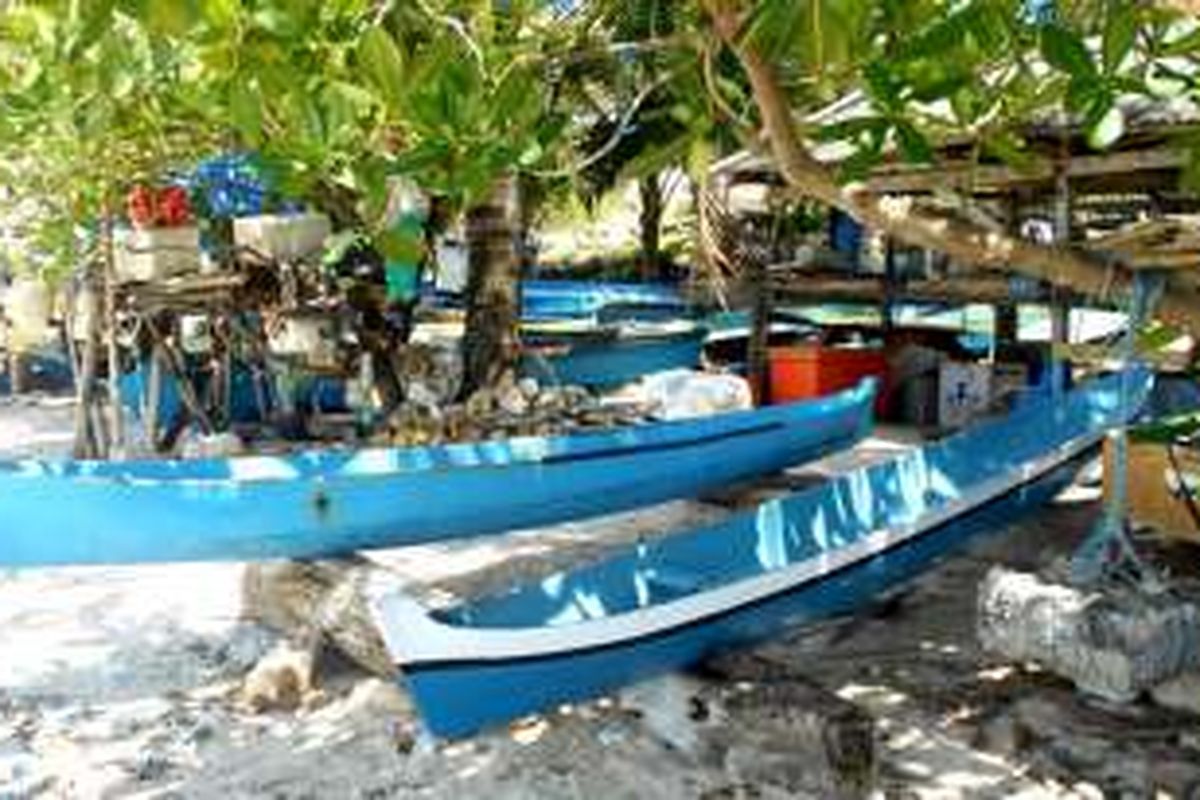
[(339, 96)]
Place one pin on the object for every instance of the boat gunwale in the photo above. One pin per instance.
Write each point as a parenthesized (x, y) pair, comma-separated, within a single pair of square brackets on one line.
[(520, 450)]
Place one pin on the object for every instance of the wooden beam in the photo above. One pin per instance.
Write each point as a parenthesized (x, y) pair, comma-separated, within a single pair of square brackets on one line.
[(902, 179), (985, 289)]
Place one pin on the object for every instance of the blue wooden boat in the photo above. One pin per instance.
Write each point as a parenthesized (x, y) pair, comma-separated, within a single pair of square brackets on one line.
[(563, 299), (674, 601), (606, 356), (326, 502)]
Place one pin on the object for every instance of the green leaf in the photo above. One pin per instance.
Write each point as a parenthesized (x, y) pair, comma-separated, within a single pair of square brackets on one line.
[(1085, 94), (245, 111), (1107, 128), (882, 85), (1120, 30), (913, 144), (1009, 148), (221, 14), (384, 65), (171, 19), (1187, 44), (1065, 51), (850, 129)]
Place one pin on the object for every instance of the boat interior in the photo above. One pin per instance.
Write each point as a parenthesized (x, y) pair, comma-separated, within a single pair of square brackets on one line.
[(849, 496)]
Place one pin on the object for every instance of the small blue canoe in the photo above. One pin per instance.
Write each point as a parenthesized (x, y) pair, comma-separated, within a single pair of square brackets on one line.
[(328, 502), (674, 601), (607, 356)]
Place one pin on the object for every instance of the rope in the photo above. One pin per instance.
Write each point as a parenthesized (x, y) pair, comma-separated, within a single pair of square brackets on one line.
[(1185, 490)]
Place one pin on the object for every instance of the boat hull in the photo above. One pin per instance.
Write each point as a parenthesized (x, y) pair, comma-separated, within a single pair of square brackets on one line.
[(812, 555), (457, 699), (328, 503)]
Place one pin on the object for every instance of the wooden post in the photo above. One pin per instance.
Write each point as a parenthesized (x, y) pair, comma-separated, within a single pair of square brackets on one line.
[(16, 372), (757, 367), (153, 397), (1060, 313), (87, 439), (116, 415), (889, 286), (1007, 319)]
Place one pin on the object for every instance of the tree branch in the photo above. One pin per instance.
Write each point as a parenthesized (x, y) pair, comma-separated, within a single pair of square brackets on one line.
[(963, 241)]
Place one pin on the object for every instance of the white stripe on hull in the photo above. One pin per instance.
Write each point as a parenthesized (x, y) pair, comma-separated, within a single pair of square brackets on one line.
[(413, 637)]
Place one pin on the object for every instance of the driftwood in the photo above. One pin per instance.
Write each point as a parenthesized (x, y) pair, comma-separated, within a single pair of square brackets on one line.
[(802, 735), (321, 602)]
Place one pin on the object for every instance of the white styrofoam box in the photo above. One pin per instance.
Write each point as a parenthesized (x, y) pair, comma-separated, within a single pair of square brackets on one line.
[(964, 391), (310, 336), (27, 308), (285, 237), (148, 254)]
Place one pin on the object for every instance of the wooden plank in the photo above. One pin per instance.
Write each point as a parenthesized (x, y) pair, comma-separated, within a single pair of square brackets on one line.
[(982, 177), (965, 289), (1149, 499)]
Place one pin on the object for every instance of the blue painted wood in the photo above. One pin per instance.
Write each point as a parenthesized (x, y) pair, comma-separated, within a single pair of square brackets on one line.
[(458, 695), (327, 502), (551, 299), (603, 359)]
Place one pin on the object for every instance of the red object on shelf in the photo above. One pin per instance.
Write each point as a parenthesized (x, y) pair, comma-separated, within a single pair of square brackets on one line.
[(174, 207), (808, 371), (168, 207), (142, 206)]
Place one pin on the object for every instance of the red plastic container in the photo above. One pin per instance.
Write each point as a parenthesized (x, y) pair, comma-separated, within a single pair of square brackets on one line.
[(808, 371)]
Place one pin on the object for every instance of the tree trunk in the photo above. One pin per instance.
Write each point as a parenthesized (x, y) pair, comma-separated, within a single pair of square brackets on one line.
[(901, 218), (650, 220), (115, 410), (17, 372), (87, 444), (489, 345)]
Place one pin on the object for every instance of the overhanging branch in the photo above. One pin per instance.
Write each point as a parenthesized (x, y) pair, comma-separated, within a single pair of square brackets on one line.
[(902, 219)]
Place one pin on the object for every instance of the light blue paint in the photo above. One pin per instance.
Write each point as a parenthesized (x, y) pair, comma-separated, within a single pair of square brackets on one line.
[(550, 299), (328, 502), (600, 361), (460, 697)]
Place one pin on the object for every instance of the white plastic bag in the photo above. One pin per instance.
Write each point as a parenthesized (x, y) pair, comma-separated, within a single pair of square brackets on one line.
[(682, 394)]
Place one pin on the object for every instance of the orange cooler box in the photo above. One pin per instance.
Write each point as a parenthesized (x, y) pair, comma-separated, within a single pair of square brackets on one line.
[(799, 373)]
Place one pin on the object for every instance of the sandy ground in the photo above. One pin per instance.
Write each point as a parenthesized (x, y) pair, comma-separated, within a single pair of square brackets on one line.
[(123, 682)]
